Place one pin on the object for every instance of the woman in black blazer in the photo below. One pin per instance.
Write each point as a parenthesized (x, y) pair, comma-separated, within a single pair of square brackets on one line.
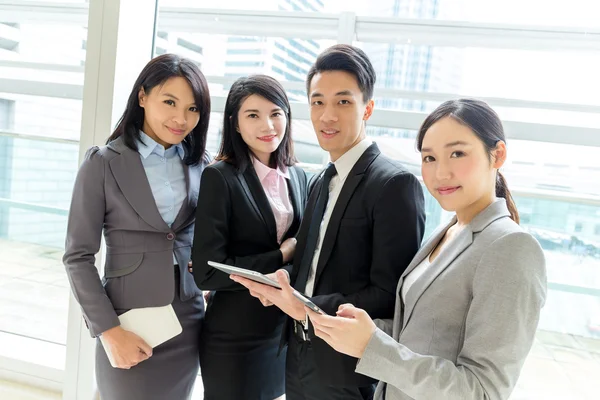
[(249, 209)]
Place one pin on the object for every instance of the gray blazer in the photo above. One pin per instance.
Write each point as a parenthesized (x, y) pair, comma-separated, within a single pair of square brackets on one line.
[(112, 195), (469, 321)]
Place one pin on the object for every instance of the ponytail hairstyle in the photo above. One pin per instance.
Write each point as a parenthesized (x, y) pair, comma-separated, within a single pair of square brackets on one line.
[(486, 124)]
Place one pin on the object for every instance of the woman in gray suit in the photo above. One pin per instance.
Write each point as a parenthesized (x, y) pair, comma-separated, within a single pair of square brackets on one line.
[(468, 305), (140, 191)]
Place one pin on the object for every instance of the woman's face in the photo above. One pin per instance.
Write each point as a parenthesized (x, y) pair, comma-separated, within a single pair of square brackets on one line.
[(456, 167), (262, 125), (170, 111)]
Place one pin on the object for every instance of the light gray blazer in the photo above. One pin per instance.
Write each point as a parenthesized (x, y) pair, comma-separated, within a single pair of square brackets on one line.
[(469, 321), (112, 195)]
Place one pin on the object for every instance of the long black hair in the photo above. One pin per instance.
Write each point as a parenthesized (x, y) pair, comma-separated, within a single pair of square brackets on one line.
[(156, 73), (233, 149), (485, 123)]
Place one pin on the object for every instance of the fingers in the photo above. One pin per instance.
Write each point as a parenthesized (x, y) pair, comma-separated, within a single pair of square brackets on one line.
[(348, 311), (190, 267), (256, 287), (128, 363), (287, 274), (144, 348), (329, 322), (345, 306), (139, 358), (243, 281), (323, 335), (265, 302), (257, 295), (282, 278)]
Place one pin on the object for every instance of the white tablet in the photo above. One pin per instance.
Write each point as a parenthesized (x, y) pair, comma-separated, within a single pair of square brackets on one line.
[(246, 273)]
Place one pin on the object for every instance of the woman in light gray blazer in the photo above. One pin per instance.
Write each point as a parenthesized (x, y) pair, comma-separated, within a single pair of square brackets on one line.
[(141, 191), (468, 305)]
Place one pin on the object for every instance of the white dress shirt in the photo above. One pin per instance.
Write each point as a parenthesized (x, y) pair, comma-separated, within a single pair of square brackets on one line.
[(413, 276), (343, 165)]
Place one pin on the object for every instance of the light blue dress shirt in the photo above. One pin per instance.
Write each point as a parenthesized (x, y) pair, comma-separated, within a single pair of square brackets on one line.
[(164, 170)]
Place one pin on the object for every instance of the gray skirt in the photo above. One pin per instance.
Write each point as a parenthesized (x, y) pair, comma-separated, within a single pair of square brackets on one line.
[(169, 374)]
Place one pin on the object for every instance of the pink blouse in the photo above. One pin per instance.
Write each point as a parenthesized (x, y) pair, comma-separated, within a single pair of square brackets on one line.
[(275, 186)]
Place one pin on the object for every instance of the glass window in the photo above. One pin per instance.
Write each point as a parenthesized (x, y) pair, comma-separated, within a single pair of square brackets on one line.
[(235, 56), (266, 5), (516, 12), (497, 73), (40, 118)]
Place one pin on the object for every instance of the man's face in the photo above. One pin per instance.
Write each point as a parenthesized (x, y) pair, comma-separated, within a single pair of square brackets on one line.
[(338, 111)]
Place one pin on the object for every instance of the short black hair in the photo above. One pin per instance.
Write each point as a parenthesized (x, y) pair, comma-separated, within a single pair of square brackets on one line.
[(233, 149), (344, 57), (154, 74)]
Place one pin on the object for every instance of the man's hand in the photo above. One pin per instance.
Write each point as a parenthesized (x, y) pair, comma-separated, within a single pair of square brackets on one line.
[(284, 299)]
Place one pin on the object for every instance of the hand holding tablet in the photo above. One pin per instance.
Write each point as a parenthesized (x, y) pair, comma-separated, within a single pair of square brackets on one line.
[(246, 273), (260, 278)]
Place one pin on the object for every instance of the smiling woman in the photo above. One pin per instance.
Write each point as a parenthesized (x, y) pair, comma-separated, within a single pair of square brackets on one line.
[(171, 104), (171, 111), (140, 191), (249, 220)]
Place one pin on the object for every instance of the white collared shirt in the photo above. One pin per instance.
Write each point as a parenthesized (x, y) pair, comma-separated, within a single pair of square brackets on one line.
[(343, 166)]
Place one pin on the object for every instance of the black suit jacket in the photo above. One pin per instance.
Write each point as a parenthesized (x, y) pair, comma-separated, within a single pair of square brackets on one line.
[(374, 232), (235, 225)]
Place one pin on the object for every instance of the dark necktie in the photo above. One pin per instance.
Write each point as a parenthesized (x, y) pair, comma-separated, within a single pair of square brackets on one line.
[(313, 230)]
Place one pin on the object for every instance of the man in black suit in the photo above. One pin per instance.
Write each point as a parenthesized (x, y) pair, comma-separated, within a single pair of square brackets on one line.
[(363, 224)]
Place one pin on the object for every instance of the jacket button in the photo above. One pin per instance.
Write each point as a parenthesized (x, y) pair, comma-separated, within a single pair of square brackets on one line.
[(170, 236)]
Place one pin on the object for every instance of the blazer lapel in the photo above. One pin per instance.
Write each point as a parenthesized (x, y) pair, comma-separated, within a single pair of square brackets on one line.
[(355, 176), (258, 199), (453, 249), (132, 181), (446, 257), (192, 183), (294, 190), (423, 252)]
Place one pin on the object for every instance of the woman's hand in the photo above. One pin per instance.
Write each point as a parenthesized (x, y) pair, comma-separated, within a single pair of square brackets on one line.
[(288, 248), (126, 348), (349, 332)]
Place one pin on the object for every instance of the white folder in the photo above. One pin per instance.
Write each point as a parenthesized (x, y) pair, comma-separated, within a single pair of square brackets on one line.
[(155, 325)]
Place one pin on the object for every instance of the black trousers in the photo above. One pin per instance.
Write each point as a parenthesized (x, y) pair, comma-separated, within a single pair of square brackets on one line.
[(302, 381)]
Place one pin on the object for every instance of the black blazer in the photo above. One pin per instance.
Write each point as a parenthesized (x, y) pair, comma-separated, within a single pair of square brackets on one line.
[(374, 232), (235, 225)]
